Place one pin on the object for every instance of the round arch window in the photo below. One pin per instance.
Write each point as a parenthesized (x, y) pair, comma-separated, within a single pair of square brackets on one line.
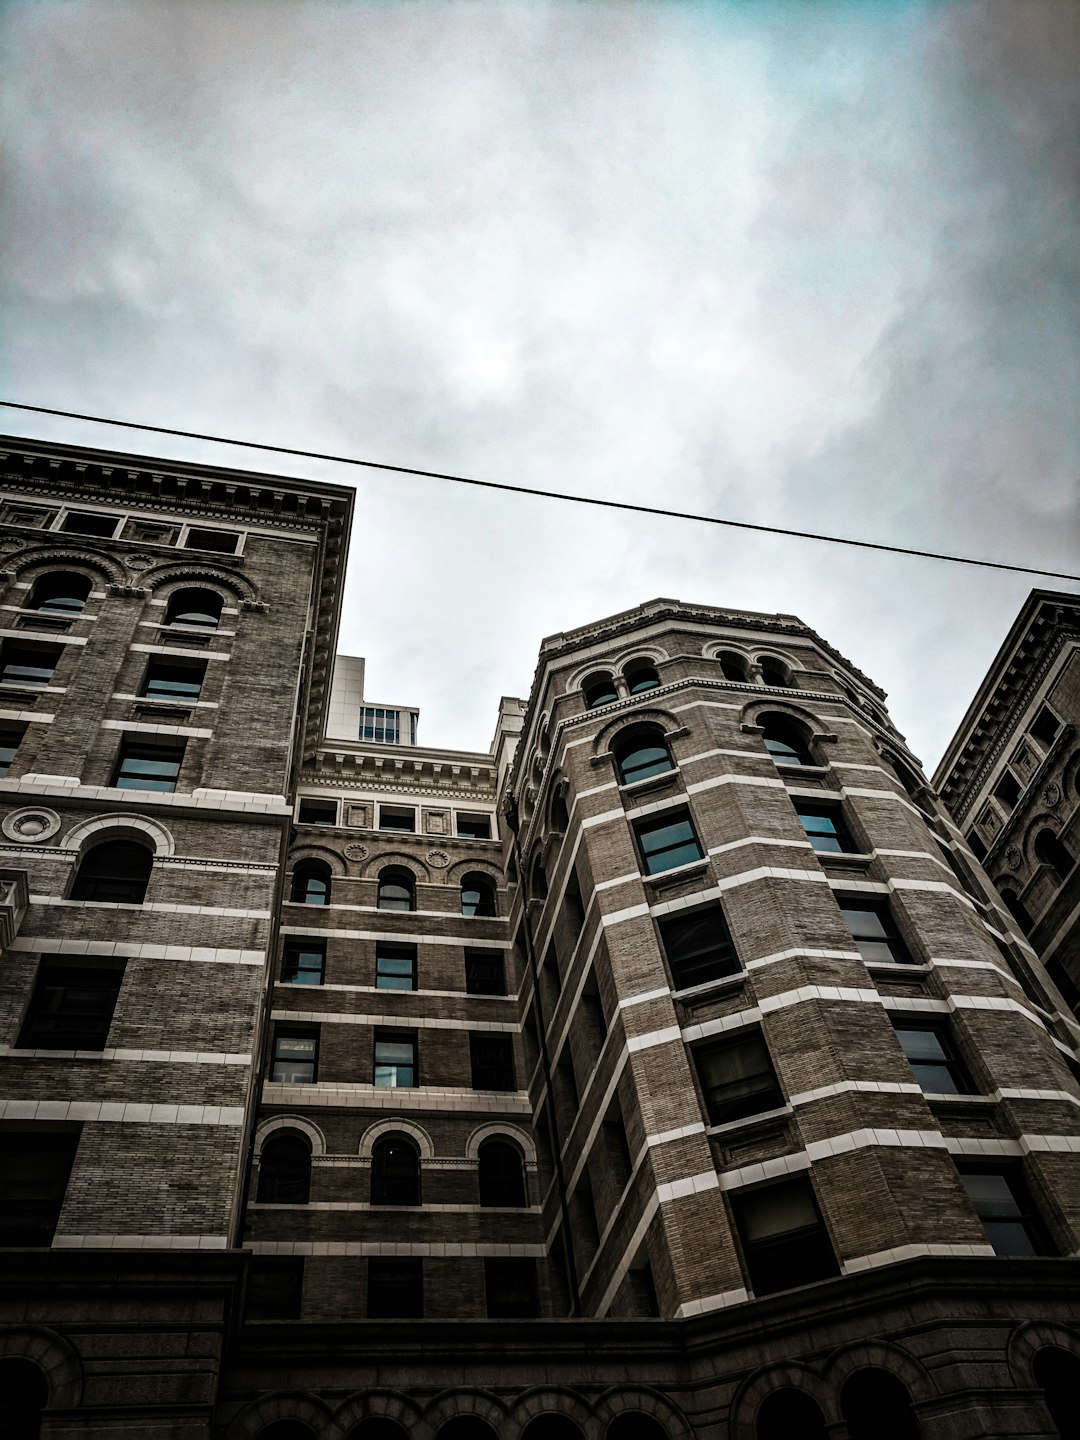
[(477, 896), (641, 753), (194, 606), (117, 871), (60, 593), (284, 1171), (311, 883), (397, 889), (395, 1171), (641, 675), (599, 690)]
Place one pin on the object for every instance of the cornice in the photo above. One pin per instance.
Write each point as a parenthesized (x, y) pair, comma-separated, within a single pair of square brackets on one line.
[(422, 776)]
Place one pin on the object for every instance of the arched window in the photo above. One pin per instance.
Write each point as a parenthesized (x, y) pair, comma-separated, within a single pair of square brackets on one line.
[(1057, 1373), (733, 666), (23, 1396), (1017, 909), (788, 1413), (117, 870), (287, 1430), (773, 671), (311, 883), (59, 593), (1050, 850), (377, 1427), (502, 1175), (466, 1427), (477, 895), (641, 675), (397, 889), (538, 884), (552, 1427), (785, 740), (395, 1171), (599, 690), (194, 607), (876, 1406), (285, 1171), (560, 815), (634, 1425), (641, 752)]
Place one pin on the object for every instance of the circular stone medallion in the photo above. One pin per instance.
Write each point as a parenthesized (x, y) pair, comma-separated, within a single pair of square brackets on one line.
[(30, 826), (356, 852), (437, 859)]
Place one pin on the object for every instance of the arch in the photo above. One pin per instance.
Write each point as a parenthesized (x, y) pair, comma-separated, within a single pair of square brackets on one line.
[(417, 1134), (478, 895), (459, 868), (538, 881), (1057, 1374), (466, 1403), (114, 826), (194, 605), (294, 1406), (734, 665), (787, 1412), (396, 889), (467, 1427), (652, 715), (24, 1394), (599, 689), (501, 1174), (552, 1425), (60, 592), (757, 1387), (641, 752), (395, 1169), (116, 871), (640, 674), (310, 883), (876, 1405), (285, 1170), (550, 1401), (558, 810), (1028, 1339), (197, 576), (57, 1360), (651, 654), (60, 555), (501, 1131), (322, 854), (642, 1400), (1047, 847), (914, 786), (270, 1127), (391, 1407), (776, 671), (419, 871), (377, 1427), (880, 1355), (786, 739)]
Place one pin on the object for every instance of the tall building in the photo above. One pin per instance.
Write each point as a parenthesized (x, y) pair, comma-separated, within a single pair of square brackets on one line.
[(669, 1070)]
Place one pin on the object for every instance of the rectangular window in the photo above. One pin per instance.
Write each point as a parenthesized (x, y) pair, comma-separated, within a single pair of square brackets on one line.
[(737, 1078), (304, 962), (35, 1167), (932, 1056), (395, 1289), (383, 726), (667, 841), (825, 828), (485, 972), (296, 1057), (173, 679), (1046, 726), (27, 665), (510, 1289), (474, 827), (224, 542), (1008, 789), (140, 766), (395, 966), (395, 1059), (317, 812), (874, 932), (1001, 1200), (275, 1288), (784, 1240), (10, 740), (71, 1007), (492, 1058), (394, 817), (698, 947), (86, 522)]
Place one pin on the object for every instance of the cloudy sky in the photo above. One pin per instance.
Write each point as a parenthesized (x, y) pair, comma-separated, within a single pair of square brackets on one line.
[(807, 263)]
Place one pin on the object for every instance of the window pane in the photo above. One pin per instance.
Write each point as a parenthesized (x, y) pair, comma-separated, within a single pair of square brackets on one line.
[(641, 761), (474, 827), (142, 767), (393, 819), (395, 1063), (294, 1059), (668, 843), (395, 967), (779, 1211), (866, 924), (484, 973), (304, 964), (380, 725), (922, 1045)]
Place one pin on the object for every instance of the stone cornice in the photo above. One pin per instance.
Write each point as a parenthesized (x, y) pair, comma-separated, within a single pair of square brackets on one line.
[(427, 775)]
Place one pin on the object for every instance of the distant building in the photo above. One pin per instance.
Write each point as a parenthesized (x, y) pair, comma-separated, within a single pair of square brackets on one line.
[(669, 1070)]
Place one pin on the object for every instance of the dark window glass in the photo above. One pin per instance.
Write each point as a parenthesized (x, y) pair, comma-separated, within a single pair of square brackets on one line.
[(477, 896), (560, 815), (785, 741), (60, 593), (284, 1171), (148, 767), (734, 667), (1000, 1199), (1008, 789), (117, 871), (783, 1238), (933, 1059), (634, 1425), (35, 1166), (474, 827), (466, 1427), (397, 890), (773, 672), (640, 754), (492, 1058), (666, 842), (71, 1007), (275, 1288), (737, 1078), (1018, 910), (395, 1059), (789, 1414), (574, 904), (485, 972), (173, 679), (874, 932), (287, 1430), (538, 885), (641, 677), (24, 1394), (1046, 726), (10, 740), (502, 1175), (383, 726), (296, 1057), (1050, 850), (511, 1289), (395, 1289), (310, 884), (876, 1406), (599, 690), (222, 541), (978, 849), (825, 828), (1057, 1373), (304, 962), (201, 608), (395, 966), (85, 522), (393, 817), (551, 1427), (31, 666), (698, 947), (395, 1172), (377, 1427), (317, 812)]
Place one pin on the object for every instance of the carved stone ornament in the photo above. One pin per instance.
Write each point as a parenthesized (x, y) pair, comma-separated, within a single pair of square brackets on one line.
[(1014, 857), (437, 859), (1052, 794), (138, 562), (31, 826), (356, 851)]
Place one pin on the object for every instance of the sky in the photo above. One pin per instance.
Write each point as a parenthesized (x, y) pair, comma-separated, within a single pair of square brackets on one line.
[(812, 264)]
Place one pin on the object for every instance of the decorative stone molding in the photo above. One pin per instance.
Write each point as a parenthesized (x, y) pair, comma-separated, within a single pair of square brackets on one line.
[(31, 826), (356, 851), (437, 859), (1052, 794)]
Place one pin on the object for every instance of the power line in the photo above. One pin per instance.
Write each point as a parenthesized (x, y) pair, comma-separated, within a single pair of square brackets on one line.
[(548, 494)]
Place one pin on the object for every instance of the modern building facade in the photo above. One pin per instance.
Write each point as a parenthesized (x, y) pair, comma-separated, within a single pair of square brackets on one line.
[(671, 1069)]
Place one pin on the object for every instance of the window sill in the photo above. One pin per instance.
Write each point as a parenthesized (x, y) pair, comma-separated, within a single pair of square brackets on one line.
[(843, 859), (650, 783), (676, 874), (898, 969), (722, 984), (765, 1120)]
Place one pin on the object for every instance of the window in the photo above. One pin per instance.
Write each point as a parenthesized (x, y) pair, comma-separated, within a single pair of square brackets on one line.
[(1000, 1199), (551, 1426), (71, 1007), (10, 740), (1050, 850), (1017, 909), (1057, 1373), (485, 972), (35, 1166), (785, 740), (876, 1406), (173, 679), (295, 1059), (599, 690), (698, 947), (393, 817), (395, 1171), (1046, 726), (783, 1238), (538, 883), (31, 666), (24, 1395), (395, 1059), (733, 667), (304, 962), (510, 1287), (140, 766), (85, 522), (474, 827), (789, 1412), (397, 889), (317, 812), (284, 1171), (667, 841), (737, 1078), (117, 871), (635, 1424), (395, 966), (933, 1058), (774, 672), (395, 1289), (1008, 790), (60, 593), (383, 726), (502, 1175), (492, 1060), (199, 608), (874, 932), (978, 848), (310, 883), (275, 1288), (477, 896), (825, 828), (223, 542), (559, 814), (641, 753), (641, 676)]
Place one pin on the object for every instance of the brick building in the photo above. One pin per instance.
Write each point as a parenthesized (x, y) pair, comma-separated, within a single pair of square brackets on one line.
[(671, 1069)]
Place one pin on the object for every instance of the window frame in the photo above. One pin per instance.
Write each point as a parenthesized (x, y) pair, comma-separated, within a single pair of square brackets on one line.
[(286, 1032), (30, 1220), (384, 1035), (36, 606), (38, 1033), (273, 1141), (181, 666), (109, 888), (1027, 1216), (312, 803), (635, 741), (188, 540), (494, 959), (12, 734), (503, 1069), (755, 1099), (891, 938), (839, 830), (495, 1188), (170, 619), (472, 817), (725, 960), (667, 820), (11, 650), (306, 870), (391, 1269), (951, 1062), (380, 722), (497, 1269), (99, 532), (396, 950), (293, 948), (383, 1182), (156, 753), (766, 1273), (395, 813), (486, 906)]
